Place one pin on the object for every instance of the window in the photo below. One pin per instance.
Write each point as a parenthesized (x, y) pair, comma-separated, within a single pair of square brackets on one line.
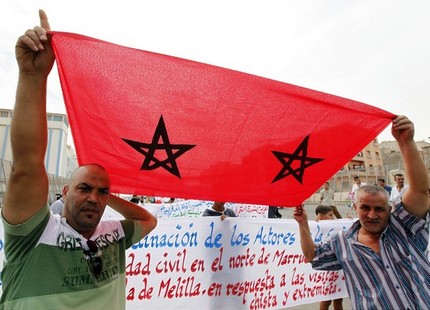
[(4, 114)]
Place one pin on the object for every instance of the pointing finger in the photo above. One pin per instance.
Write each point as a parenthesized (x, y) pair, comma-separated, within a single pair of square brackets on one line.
[(44, 23)]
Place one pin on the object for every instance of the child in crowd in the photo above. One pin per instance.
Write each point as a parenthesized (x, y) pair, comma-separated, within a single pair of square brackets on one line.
[(324, 213)]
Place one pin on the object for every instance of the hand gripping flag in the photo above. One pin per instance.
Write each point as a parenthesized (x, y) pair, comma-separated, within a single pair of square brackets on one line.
[(172, 127)]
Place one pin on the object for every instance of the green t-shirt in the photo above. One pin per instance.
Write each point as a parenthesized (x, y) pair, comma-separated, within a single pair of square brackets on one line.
[(45, 266)]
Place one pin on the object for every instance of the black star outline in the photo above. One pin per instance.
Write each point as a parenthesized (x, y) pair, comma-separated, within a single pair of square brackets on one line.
[(151, 162), (299, 154)]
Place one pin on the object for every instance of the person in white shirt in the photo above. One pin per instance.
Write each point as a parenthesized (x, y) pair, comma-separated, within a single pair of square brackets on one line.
[(355, 187), (57, 206), (326, 195), (398, 190)]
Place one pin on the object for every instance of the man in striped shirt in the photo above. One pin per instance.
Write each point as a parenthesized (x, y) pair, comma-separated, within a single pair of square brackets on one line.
[(384, 254)]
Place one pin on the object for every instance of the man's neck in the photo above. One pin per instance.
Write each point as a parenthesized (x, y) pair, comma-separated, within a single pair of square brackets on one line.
[(370, 240), (85, 233)]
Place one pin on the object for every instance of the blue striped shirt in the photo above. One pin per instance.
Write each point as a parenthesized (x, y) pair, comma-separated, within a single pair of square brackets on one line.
[(398, 278)]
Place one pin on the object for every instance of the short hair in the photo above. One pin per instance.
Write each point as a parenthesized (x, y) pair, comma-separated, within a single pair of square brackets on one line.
[(323, 209), (381, 180), (356, 177), (371, 189)]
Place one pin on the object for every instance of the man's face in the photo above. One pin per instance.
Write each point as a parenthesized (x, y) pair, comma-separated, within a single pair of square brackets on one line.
[(358, 181), (328, 216), (86, 198), (381, 183), (373, 212), (326, 187), (400, 180)]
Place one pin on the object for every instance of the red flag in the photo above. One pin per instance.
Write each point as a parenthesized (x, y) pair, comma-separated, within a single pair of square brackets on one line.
[(171, 127)]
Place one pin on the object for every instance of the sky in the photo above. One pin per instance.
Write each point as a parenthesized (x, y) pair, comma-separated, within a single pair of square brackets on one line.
[(373, 51)]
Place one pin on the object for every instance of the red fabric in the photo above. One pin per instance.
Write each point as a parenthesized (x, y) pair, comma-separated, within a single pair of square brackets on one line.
[(219, 134)]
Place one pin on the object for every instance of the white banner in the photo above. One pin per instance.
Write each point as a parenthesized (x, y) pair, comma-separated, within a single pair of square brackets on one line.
[(238, 263), (194, 208)]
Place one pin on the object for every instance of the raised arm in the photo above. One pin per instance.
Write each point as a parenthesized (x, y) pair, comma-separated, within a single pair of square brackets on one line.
[(133, 211), (306, 242), (416, 198), (27, 189)]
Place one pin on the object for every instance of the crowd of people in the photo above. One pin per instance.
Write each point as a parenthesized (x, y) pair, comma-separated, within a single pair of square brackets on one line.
[(383, 254)]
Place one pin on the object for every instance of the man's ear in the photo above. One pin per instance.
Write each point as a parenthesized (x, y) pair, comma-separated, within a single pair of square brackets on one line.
[(65, 190)]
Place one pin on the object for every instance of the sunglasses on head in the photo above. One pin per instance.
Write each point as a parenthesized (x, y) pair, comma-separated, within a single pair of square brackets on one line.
[(95, 262)]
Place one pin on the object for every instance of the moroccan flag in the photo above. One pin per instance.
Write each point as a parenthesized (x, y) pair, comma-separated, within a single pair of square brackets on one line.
[(165, 126)]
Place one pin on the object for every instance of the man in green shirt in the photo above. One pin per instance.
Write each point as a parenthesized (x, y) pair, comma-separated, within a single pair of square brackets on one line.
[(68, 261)]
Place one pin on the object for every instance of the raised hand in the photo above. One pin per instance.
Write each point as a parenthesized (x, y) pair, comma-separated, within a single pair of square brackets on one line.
[(402, 129), (33, 49), (300, 214)]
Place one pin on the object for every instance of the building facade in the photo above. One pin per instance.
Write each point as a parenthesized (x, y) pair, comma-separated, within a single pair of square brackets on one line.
[(393, 162), (60, 158), (375, 161), (367, 164)]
